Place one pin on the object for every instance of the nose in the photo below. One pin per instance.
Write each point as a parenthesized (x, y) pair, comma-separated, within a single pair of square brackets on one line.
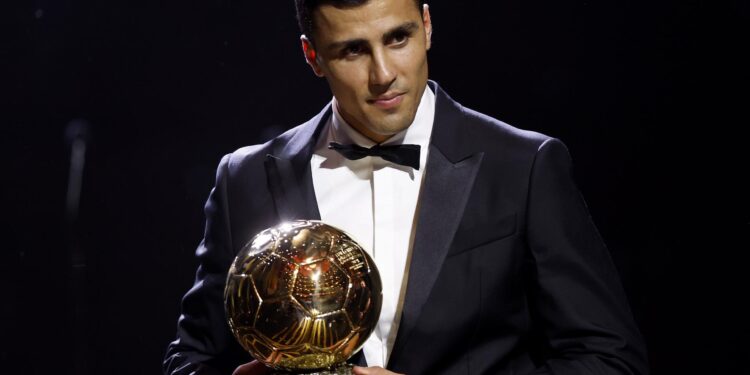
[(382, 73)]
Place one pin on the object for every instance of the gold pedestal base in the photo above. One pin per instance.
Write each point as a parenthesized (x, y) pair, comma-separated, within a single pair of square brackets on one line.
[(343, 369)]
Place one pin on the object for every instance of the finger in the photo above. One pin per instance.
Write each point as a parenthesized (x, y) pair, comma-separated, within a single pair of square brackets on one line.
[(372, 371), (252, 368)]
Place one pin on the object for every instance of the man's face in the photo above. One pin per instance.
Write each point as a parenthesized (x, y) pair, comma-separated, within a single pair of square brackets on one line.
[(374, 57)]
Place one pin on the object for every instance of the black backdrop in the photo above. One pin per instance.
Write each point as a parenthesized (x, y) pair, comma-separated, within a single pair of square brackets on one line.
[(650, 97)]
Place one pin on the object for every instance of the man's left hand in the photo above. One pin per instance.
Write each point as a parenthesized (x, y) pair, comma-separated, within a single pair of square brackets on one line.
[(372, 371)]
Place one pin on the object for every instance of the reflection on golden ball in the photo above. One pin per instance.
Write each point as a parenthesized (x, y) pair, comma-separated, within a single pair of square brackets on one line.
[(302, 296)]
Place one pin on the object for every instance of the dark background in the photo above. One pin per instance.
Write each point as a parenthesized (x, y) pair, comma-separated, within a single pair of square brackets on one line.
[(650, 96)]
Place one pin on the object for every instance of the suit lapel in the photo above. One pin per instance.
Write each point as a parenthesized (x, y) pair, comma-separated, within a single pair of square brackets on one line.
[(290, 192), (449, 177), (288, 171)]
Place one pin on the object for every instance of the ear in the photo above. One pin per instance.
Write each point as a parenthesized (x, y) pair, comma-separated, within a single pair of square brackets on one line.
[(427, 25), (310, 55)]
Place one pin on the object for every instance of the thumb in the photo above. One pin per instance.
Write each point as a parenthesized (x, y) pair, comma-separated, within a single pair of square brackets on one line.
[(375, 370), (252, 368)]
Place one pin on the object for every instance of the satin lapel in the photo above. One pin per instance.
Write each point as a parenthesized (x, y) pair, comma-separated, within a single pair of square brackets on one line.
[(445, 193), (452, 167), (293, 193), (288, 171)]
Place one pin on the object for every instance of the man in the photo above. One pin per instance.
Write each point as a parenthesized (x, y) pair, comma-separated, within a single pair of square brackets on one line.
[(489, 259)]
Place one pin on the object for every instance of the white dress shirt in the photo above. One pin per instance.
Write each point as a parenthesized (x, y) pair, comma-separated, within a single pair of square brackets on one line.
[(375, 201)]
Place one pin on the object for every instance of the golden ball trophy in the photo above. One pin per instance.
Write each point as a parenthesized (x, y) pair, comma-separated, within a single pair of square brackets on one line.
[(302, 298)]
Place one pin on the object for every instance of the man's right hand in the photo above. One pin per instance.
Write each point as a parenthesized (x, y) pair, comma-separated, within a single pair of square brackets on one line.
[(252, 368)]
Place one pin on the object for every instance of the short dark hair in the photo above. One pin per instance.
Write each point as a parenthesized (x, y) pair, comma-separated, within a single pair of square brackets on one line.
[(305, 10)]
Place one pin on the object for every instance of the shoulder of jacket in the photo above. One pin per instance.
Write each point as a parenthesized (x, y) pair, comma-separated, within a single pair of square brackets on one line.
[(499, 132)]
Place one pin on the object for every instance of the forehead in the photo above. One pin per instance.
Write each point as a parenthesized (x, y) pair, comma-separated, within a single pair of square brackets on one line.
[(369, 20)]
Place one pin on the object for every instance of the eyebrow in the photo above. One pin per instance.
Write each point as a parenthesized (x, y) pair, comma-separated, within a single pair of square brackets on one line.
[(405, 28)]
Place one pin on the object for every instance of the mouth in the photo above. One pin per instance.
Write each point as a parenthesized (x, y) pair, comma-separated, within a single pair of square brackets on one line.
[(387, 100)]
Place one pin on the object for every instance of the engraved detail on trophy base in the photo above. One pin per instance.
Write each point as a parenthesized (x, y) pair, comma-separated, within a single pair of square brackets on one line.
[(343, 369)]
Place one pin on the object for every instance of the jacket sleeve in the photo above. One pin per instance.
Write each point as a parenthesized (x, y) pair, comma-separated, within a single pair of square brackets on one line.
[(577, 302), (204, 343)]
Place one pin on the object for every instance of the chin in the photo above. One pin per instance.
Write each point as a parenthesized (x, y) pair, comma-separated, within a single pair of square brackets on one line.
[(393, 129), (401, 123), (388, 125)]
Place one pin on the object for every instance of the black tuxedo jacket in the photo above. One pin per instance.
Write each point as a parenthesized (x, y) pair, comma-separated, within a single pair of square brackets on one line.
[(508, 272)]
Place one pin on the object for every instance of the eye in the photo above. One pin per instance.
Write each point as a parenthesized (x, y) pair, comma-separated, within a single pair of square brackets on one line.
[(353, 50), (399, 39)]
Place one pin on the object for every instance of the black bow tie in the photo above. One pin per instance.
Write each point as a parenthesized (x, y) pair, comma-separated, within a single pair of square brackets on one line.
[(407, 155)]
